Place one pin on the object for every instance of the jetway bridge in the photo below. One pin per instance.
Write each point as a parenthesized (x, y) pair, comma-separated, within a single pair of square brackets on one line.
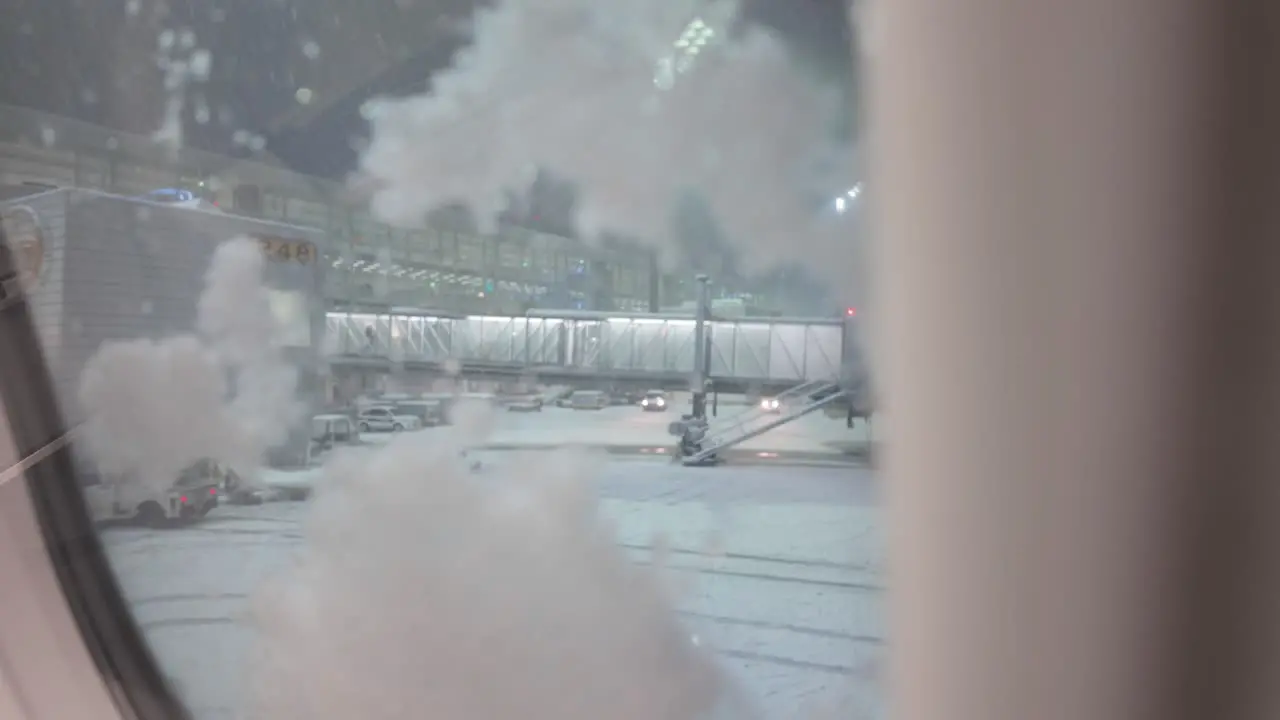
[(765, 354)]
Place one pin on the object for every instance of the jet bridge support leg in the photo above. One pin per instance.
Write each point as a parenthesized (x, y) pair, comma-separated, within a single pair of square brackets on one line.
[(701, 347)]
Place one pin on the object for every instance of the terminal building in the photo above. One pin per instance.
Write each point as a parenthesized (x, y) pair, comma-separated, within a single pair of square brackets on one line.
[(372, 265), (417, 304)]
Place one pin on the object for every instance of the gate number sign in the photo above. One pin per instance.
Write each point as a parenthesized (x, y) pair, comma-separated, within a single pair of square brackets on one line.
[(280, 249)]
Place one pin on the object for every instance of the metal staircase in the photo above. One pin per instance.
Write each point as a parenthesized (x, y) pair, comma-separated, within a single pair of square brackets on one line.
[(790, 396), (794, 403)]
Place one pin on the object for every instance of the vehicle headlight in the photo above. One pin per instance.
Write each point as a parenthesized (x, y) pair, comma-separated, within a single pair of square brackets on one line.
[(645, 402), (660, 402)]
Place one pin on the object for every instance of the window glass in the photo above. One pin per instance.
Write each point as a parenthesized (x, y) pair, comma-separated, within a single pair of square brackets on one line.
[(507, 207)]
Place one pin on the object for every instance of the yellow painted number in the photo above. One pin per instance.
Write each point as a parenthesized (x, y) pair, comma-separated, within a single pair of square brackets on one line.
[(283, 250)]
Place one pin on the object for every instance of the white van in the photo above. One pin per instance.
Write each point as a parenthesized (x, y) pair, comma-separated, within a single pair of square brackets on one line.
[(329, 431), (589, 400), (191, 497), (429, 412)]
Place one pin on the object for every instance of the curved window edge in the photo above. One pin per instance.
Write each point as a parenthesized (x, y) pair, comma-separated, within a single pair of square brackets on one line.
[(107, 627)]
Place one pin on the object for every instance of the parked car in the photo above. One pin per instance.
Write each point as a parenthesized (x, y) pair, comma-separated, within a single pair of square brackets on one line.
[(589, 400), (524, 403), (386, 419), (623, 397), (633, 397)]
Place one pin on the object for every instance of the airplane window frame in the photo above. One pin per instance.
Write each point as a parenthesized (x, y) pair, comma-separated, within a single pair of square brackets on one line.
[(107, 627)]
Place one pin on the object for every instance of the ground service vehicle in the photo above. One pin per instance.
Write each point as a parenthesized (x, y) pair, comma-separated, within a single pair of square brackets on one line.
[(329, 431), (654, 401), (194, 493)]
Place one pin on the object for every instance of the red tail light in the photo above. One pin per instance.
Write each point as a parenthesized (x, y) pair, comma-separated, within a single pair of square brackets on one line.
[(183, 499), (213, 491)]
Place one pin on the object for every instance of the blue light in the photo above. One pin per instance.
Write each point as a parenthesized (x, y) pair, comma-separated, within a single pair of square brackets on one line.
[(171, 195)]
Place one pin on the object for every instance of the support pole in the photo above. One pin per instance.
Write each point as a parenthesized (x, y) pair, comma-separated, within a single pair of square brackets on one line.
[(702, 314)]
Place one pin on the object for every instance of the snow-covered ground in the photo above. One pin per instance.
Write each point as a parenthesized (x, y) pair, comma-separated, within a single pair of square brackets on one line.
[(784, 571), (627, 429), (630, 426)]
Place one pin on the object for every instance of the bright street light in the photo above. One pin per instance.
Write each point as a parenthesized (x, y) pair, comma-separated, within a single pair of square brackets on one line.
[(843, 201)]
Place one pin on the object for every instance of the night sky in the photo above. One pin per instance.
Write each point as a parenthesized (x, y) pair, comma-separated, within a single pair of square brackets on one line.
[(95, 60)]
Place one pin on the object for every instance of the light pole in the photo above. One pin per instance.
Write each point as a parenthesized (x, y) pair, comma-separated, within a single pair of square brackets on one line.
[(701, 316)]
